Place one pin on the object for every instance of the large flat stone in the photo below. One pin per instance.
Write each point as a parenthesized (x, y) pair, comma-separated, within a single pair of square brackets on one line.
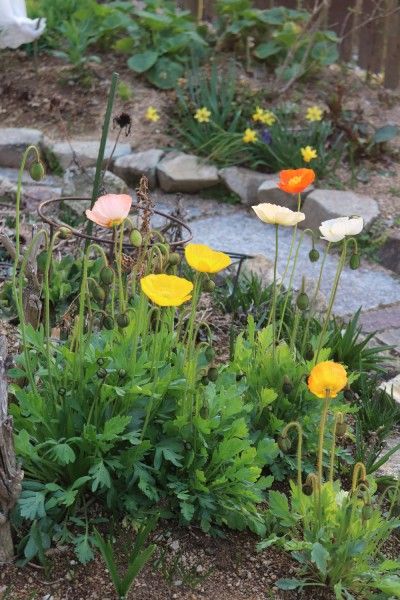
[(321, 205), (243, 182), (391, 337), (244, 233), (393, 387), (8, 190), (132, 166), (13, 143), (85, 152), (392, 467), (185, 173), (383, 318), (389, 253), (271, 193)]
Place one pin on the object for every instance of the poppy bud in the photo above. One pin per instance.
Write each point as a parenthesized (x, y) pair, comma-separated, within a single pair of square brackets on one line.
[(136, 238), (123, 320), (174, 259), (64, 233), (37, 171), (100, 361), (98, 293), (341, 429), (287, 385), (309, 352), (307, 489), (164, 249), (313, 255), (106, 275), (204, 412), (212, 374), (41, 260), (354, 261), (204, 380), (209, 353), (121, 373), (366, 512), (209, 285), (62, 391), (188, 445), (101, 373), (284, 443), (302, 301), (108, 322)]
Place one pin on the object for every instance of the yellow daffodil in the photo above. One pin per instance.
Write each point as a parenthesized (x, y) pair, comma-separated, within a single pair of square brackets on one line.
[(314, 113), (152, 114), (266, 117), (308, 153), (206, 260), (202, 115), (249, 136), (167, 290), (327, 379)]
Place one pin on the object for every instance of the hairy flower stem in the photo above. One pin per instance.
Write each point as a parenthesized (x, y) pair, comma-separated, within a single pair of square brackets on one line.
[(118, 258), (322, 424), (332, 297), (274, 289), (314, 298), (296, 424), (18, 291), (359, 474), (103, 141), (46, 285), (338, 419)]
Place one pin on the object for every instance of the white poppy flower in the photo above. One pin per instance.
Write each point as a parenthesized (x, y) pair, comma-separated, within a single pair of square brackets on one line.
[(335, 230), (278, 215), (15, 26)]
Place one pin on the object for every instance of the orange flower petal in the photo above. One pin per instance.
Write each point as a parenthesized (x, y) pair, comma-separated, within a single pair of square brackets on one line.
[(294, 181)]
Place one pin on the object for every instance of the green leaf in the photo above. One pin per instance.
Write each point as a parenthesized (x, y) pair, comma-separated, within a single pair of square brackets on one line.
[(100, 476), (279, 507), (187, 511), (142, 62), (266, 49), (170, 450), (62, 454), (288, 584), (31, 505), (165, 73), (385, 134), (389, 585), (115, 426), (83, 549), (320, 556)]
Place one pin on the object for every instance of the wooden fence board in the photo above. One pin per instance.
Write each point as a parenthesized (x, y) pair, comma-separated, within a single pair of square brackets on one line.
[(376, 42), (392, 60)]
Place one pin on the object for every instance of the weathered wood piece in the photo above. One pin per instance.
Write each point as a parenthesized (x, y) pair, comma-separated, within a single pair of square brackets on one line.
[(11, 474)]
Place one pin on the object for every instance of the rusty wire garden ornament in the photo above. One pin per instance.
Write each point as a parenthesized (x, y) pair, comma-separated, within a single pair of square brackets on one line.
[(172, 223)]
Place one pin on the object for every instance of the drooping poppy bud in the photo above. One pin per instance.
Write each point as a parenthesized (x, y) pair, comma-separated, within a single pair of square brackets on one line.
[(302, 301), (106, 275), (212, 374), (108, 322), (354, 261), (122, 320), (37, 171), (287, 385), (284, 443), (136, 238), (313, 255)]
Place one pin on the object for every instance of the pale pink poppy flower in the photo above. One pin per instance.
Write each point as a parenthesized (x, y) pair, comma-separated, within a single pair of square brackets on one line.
[(110, 210)]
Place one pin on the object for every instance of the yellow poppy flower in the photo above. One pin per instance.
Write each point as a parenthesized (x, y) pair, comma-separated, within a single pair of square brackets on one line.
[(327, 379), (152, 114), (314, 113), (258, 114), (249, 136), (308, 153), (166, 290), (202, 115), (206, 260)]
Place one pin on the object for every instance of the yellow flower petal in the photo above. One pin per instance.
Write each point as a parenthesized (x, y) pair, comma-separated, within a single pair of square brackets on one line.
[(314, 113), (202, 115), (152, 114), (206, 260), (327, 379), (166, 290), (249, 136), (308, 153)]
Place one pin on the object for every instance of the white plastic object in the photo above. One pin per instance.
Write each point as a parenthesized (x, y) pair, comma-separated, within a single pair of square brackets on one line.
[(15, 26)]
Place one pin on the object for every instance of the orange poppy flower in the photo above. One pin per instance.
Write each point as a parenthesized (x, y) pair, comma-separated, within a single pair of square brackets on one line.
[(295, 181)]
